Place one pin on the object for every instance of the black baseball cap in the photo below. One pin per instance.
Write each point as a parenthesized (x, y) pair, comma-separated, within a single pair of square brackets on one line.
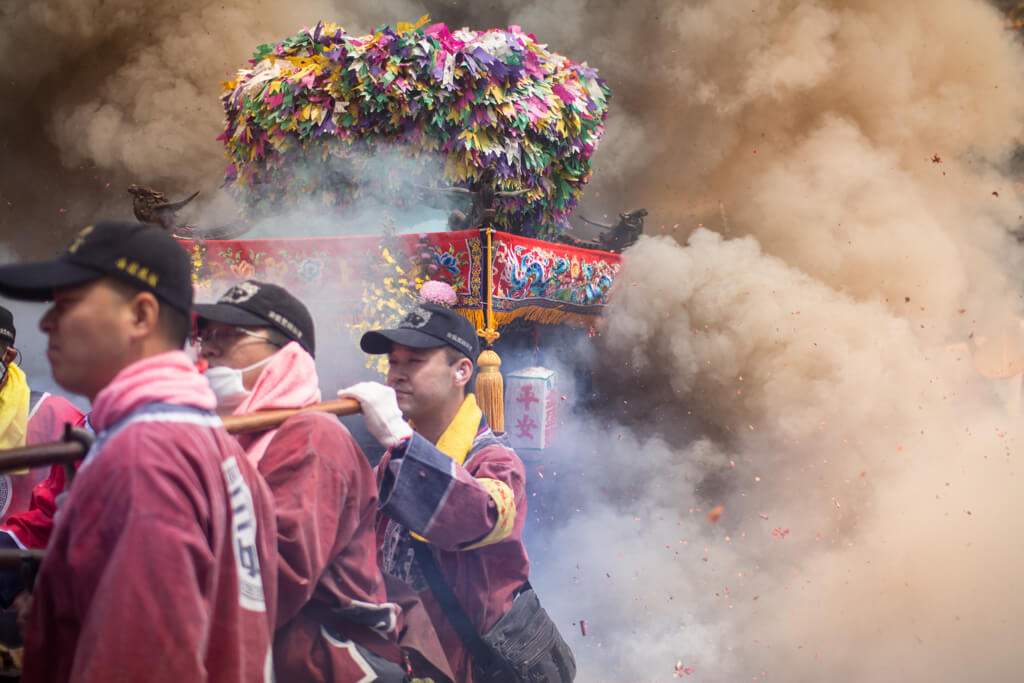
[(7, 331), (263, 304), (136, 253), (427, 326)]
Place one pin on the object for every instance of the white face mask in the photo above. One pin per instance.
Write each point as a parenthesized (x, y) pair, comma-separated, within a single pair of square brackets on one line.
[(228, 386)]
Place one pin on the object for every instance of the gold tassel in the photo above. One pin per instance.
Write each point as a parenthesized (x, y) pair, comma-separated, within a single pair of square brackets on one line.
[(490, 389), (478, 318)]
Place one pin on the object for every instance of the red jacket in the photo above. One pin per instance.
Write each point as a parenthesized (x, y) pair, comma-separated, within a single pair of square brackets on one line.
[(326, 501), (425, 491), (47, 417), (161, 566), (29, 517)]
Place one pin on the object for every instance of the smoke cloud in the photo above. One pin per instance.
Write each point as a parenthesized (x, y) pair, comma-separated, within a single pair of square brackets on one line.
[(831, 186), (103, 94), (866, 481), (811, 372)]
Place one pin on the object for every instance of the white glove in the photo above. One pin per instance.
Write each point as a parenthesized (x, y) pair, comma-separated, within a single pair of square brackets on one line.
[(380, 408)]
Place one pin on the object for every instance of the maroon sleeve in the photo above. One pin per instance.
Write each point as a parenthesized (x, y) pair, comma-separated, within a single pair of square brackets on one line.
[(427, 492), (322, 484), (497, 463)]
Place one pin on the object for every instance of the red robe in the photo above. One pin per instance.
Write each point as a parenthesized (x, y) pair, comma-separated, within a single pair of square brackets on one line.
[(425, 491), (162, 565), (29, 518), (48, 416), (326, 500)]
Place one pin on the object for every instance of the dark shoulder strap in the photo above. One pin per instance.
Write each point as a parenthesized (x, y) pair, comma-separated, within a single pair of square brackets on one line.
[(445, 597)]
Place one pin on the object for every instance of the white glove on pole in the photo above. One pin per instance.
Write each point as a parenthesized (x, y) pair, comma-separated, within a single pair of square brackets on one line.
[(380, 408)]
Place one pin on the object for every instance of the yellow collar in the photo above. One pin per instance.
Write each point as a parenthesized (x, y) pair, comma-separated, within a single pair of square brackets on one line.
[(458, 437), (14, 406)]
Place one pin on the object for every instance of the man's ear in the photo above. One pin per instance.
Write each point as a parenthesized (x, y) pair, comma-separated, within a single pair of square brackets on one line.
[(463, 371), (144, 310), (10, 354)]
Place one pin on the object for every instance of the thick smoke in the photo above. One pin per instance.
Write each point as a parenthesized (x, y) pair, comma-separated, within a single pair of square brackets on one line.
[(866, 480), (103, 94), (815, 377), (805, 361)]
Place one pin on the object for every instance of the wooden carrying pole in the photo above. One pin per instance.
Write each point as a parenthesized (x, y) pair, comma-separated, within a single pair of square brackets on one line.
[(57, 453), (70, 451), (12, 559), (268, 419), (24, 562)]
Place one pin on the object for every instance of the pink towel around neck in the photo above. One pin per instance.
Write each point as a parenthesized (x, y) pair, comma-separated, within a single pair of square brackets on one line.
[(288, 381), (169, 377)]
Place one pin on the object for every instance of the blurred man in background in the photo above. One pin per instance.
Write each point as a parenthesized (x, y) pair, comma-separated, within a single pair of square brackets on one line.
[(26, 417), (27, 498)]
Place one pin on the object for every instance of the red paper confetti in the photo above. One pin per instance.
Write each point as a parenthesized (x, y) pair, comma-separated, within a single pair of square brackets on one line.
[(715, 514), (682, 670)]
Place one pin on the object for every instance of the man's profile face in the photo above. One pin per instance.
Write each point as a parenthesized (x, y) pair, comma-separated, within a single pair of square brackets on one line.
[(423, 380), (89, 328)]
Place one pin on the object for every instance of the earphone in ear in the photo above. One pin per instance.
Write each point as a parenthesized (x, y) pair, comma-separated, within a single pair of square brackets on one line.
[(460, 373)]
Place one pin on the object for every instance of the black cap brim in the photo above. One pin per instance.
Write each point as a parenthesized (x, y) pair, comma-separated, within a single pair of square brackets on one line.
[(229, 315), (380, 341), (37, 281)]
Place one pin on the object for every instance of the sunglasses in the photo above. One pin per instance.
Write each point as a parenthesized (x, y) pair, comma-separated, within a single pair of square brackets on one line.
[(221, 337)]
